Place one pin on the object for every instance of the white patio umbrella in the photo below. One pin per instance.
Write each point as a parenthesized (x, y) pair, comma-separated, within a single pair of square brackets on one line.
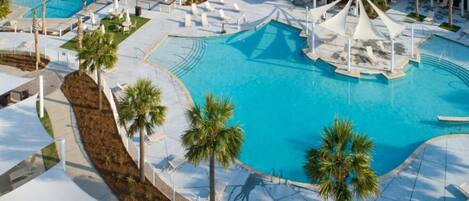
[(116, 5), (93, 18), (103, 29), (127, 17)]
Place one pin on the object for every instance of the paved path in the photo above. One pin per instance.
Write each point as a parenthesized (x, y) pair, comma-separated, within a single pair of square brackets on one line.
[(79, 167)]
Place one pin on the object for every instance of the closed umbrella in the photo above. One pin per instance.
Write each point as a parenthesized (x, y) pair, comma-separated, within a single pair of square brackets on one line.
[(93, 18), (127, 17), (116, 5), (103, 30)]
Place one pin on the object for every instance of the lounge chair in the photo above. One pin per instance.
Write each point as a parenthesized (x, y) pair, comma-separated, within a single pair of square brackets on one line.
[(374, 60), (174, 162), (155, 137), (187, 20), (222, 1), (220, 190), (236, 7), (381, 45), (121, 87), (222, 15), (466, 28), (430, 17), (203, 19), (194, 9), (464, 189), (208, 6)]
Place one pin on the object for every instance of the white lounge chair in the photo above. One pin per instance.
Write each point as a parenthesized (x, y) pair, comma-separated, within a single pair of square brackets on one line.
[(175, 161), (194, 9), (464, 188), (155, 137), (222, 1), (187, 20), (236, 7), (465, 29), (381, 45), (430, 17), (203, 19), (208, 6), (222, 15), (374, 60)]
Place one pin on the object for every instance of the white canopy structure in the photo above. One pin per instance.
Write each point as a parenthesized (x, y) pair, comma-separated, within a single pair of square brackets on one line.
[(10, 82), (316, 13), (392, 26), (338, 23), (364, 29), (21, 133), (53, 185)]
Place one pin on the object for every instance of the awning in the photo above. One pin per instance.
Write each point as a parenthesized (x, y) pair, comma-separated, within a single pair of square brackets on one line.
[(338, 23), (393, 27), (364, 29)]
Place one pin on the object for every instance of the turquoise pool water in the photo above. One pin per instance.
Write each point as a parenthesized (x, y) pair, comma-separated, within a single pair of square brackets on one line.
[(284, 100), (54, 8)]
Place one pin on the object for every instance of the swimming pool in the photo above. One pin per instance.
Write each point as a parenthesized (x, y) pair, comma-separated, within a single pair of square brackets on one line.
[(284, 100), (54, 8)]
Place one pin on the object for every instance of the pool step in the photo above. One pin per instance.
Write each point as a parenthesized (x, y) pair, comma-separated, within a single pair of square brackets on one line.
[(455, 69), (191, 60)]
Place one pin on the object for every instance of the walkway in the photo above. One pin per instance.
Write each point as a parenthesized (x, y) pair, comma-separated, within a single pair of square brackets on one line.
[(79, 167)]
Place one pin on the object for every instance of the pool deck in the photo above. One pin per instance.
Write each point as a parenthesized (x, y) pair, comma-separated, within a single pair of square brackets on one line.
[(431, 174)]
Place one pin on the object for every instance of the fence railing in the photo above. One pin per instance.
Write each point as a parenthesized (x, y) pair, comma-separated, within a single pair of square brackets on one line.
[(151, 173), (59, 32)]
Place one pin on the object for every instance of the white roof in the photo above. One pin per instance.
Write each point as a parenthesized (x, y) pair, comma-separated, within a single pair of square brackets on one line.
[(52, 185), (316, 13), (338, 23), (21, 133), (9, 82), (393, 27), (364, 29)]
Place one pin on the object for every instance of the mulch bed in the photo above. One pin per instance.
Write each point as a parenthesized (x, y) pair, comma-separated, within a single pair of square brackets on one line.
[(103, 143), (22, 61)]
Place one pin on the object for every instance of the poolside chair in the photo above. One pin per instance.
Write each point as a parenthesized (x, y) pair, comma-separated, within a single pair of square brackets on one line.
[(174, 162), (464, 189), (208, 6), (369, 51), (430, 17), (381, 45), (236, 7), (222, 1), (155, 137), (203, 19), (187, 20), (194, 9), (222, 15), (465, 29)]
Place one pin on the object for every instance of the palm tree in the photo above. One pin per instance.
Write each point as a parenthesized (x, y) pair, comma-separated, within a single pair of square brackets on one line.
[(209, 137), (43, 2), (342, 161), (98, 53), (141, 109), (417, 9), (36, 38), (4, 8), (450, 13)]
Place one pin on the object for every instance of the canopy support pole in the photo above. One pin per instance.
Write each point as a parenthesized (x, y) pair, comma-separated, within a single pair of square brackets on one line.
[(62, 153), (412, 41), (461, 5), (349, 66), (41, 96), (307, 20), (314, 3), (313, 39), (431, 3), (356, 8), (392, 55)]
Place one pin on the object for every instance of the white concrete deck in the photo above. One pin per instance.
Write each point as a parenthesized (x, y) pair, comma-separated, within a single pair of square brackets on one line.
[(192, 182)]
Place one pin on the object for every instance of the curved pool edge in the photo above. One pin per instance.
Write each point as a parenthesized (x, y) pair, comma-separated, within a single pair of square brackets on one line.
[(268, 177)]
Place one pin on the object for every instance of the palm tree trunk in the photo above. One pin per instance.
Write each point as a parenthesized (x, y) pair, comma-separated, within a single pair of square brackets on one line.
[(36, 39), (212, 177), (100, 93), (450, 13), (44, 17), (142, 155), (417, 10)]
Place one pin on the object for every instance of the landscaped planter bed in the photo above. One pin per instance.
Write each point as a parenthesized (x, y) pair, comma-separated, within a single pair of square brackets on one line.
[(22, 60), (103, 143)]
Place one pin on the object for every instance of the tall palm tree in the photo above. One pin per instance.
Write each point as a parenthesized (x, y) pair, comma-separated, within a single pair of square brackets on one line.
[(141, 109), (417, 8), (36, 37), (450, 13), (98, 52), (210, 138), (343, 160), (43, 2), (4, 8)]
